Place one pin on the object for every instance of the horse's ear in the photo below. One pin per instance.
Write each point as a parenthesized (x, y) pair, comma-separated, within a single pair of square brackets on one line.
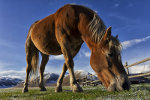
[(107, 33)]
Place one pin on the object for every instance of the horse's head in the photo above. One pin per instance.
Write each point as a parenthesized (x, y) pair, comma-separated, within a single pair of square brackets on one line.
[(106, 62)]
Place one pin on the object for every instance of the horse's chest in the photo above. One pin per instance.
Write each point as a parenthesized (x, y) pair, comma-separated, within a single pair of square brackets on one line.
[(75, 44)]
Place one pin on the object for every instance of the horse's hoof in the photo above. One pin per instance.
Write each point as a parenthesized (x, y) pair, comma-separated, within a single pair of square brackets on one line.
[(77, 88), (58, 89), (25, 90), (43, 89)]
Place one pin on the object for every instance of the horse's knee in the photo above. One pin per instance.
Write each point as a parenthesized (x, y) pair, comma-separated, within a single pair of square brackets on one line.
[(45, 57), (69, 63)]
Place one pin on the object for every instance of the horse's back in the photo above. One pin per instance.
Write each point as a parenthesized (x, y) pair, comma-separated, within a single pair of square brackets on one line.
[(45, 33)]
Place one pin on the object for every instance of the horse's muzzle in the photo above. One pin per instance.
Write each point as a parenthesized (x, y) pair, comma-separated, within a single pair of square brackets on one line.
[(119, 84)]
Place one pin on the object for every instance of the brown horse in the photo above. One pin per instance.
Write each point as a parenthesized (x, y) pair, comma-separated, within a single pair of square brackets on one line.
[(63, 33)]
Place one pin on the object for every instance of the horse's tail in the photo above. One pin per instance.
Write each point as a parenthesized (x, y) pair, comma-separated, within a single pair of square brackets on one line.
[(34, 64), (32, 55)]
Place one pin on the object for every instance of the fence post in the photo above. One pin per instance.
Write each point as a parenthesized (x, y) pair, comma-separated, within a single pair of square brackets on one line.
[(126, 64)]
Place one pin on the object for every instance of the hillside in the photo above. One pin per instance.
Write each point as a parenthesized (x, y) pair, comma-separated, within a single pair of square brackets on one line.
[(79, 74), (6, 82), (49, 79)]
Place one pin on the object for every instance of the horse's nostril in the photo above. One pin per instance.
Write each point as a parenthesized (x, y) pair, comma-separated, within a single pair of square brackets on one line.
[(126, 86)]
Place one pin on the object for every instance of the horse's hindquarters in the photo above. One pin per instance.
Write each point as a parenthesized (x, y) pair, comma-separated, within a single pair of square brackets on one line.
[(43, 37)]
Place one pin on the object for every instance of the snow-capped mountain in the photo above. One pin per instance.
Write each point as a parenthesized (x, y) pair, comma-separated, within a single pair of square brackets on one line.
[(85, 74), (49, 79), (79, 74), (6, 82)]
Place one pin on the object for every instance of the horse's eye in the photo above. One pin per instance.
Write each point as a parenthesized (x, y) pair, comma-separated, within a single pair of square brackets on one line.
[(111, 54)]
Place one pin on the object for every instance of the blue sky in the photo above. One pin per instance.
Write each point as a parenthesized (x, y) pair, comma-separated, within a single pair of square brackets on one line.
[(130, 19)]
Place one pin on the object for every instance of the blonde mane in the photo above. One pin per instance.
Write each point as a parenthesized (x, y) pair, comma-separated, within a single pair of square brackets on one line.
[(97, 28)]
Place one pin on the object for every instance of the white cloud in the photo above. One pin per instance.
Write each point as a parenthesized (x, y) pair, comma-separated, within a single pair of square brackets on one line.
[(139, 69), (4, 65), (13, 74), (96, 11), (59, 57), (53, 69), (116, 5), (85, 68), (87, 54), (129, 43)]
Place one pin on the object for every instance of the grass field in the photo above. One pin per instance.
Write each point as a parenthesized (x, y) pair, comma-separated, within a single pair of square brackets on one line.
[(137, 92)]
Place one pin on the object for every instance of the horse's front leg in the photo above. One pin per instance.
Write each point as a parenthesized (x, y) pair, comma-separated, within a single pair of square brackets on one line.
[(45, 59), (60, 79), (73, 83), (70, 64)]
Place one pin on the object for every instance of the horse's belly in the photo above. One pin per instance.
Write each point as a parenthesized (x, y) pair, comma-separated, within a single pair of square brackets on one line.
[(47, 46), (51, 49)]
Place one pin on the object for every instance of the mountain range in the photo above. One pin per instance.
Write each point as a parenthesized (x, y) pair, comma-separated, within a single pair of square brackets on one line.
[(6, 82), (49, 79)]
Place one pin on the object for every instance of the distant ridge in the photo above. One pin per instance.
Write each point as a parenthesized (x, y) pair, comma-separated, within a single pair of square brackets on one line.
[(6, 82), (49, 79)]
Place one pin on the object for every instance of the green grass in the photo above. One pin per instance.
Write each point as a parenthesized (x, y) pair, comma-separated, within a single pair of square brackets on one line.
[(137, 92)]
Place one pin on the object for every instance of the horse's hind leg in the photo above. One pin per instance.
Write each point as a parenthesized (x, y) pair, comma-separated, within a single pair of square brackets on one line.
[(28, 69), (29, 48), (45, 59)]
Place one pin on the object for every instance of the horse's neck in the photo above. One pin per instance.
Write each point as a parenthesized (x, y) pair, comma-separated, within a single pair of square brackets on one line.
[(85, 32), (86, 37), (90, 43)]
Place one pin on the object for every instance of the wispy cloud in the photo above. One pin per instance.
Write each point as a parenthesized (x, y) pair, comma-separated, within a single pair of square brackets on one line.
[(9, 44), (4, 64), (129, 43), (118, 16), (130, 5), (54, 69), (85, 68), (59, 57), (96, 11), (139, 69), (87, 54), (13, 74), (116, 5)]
